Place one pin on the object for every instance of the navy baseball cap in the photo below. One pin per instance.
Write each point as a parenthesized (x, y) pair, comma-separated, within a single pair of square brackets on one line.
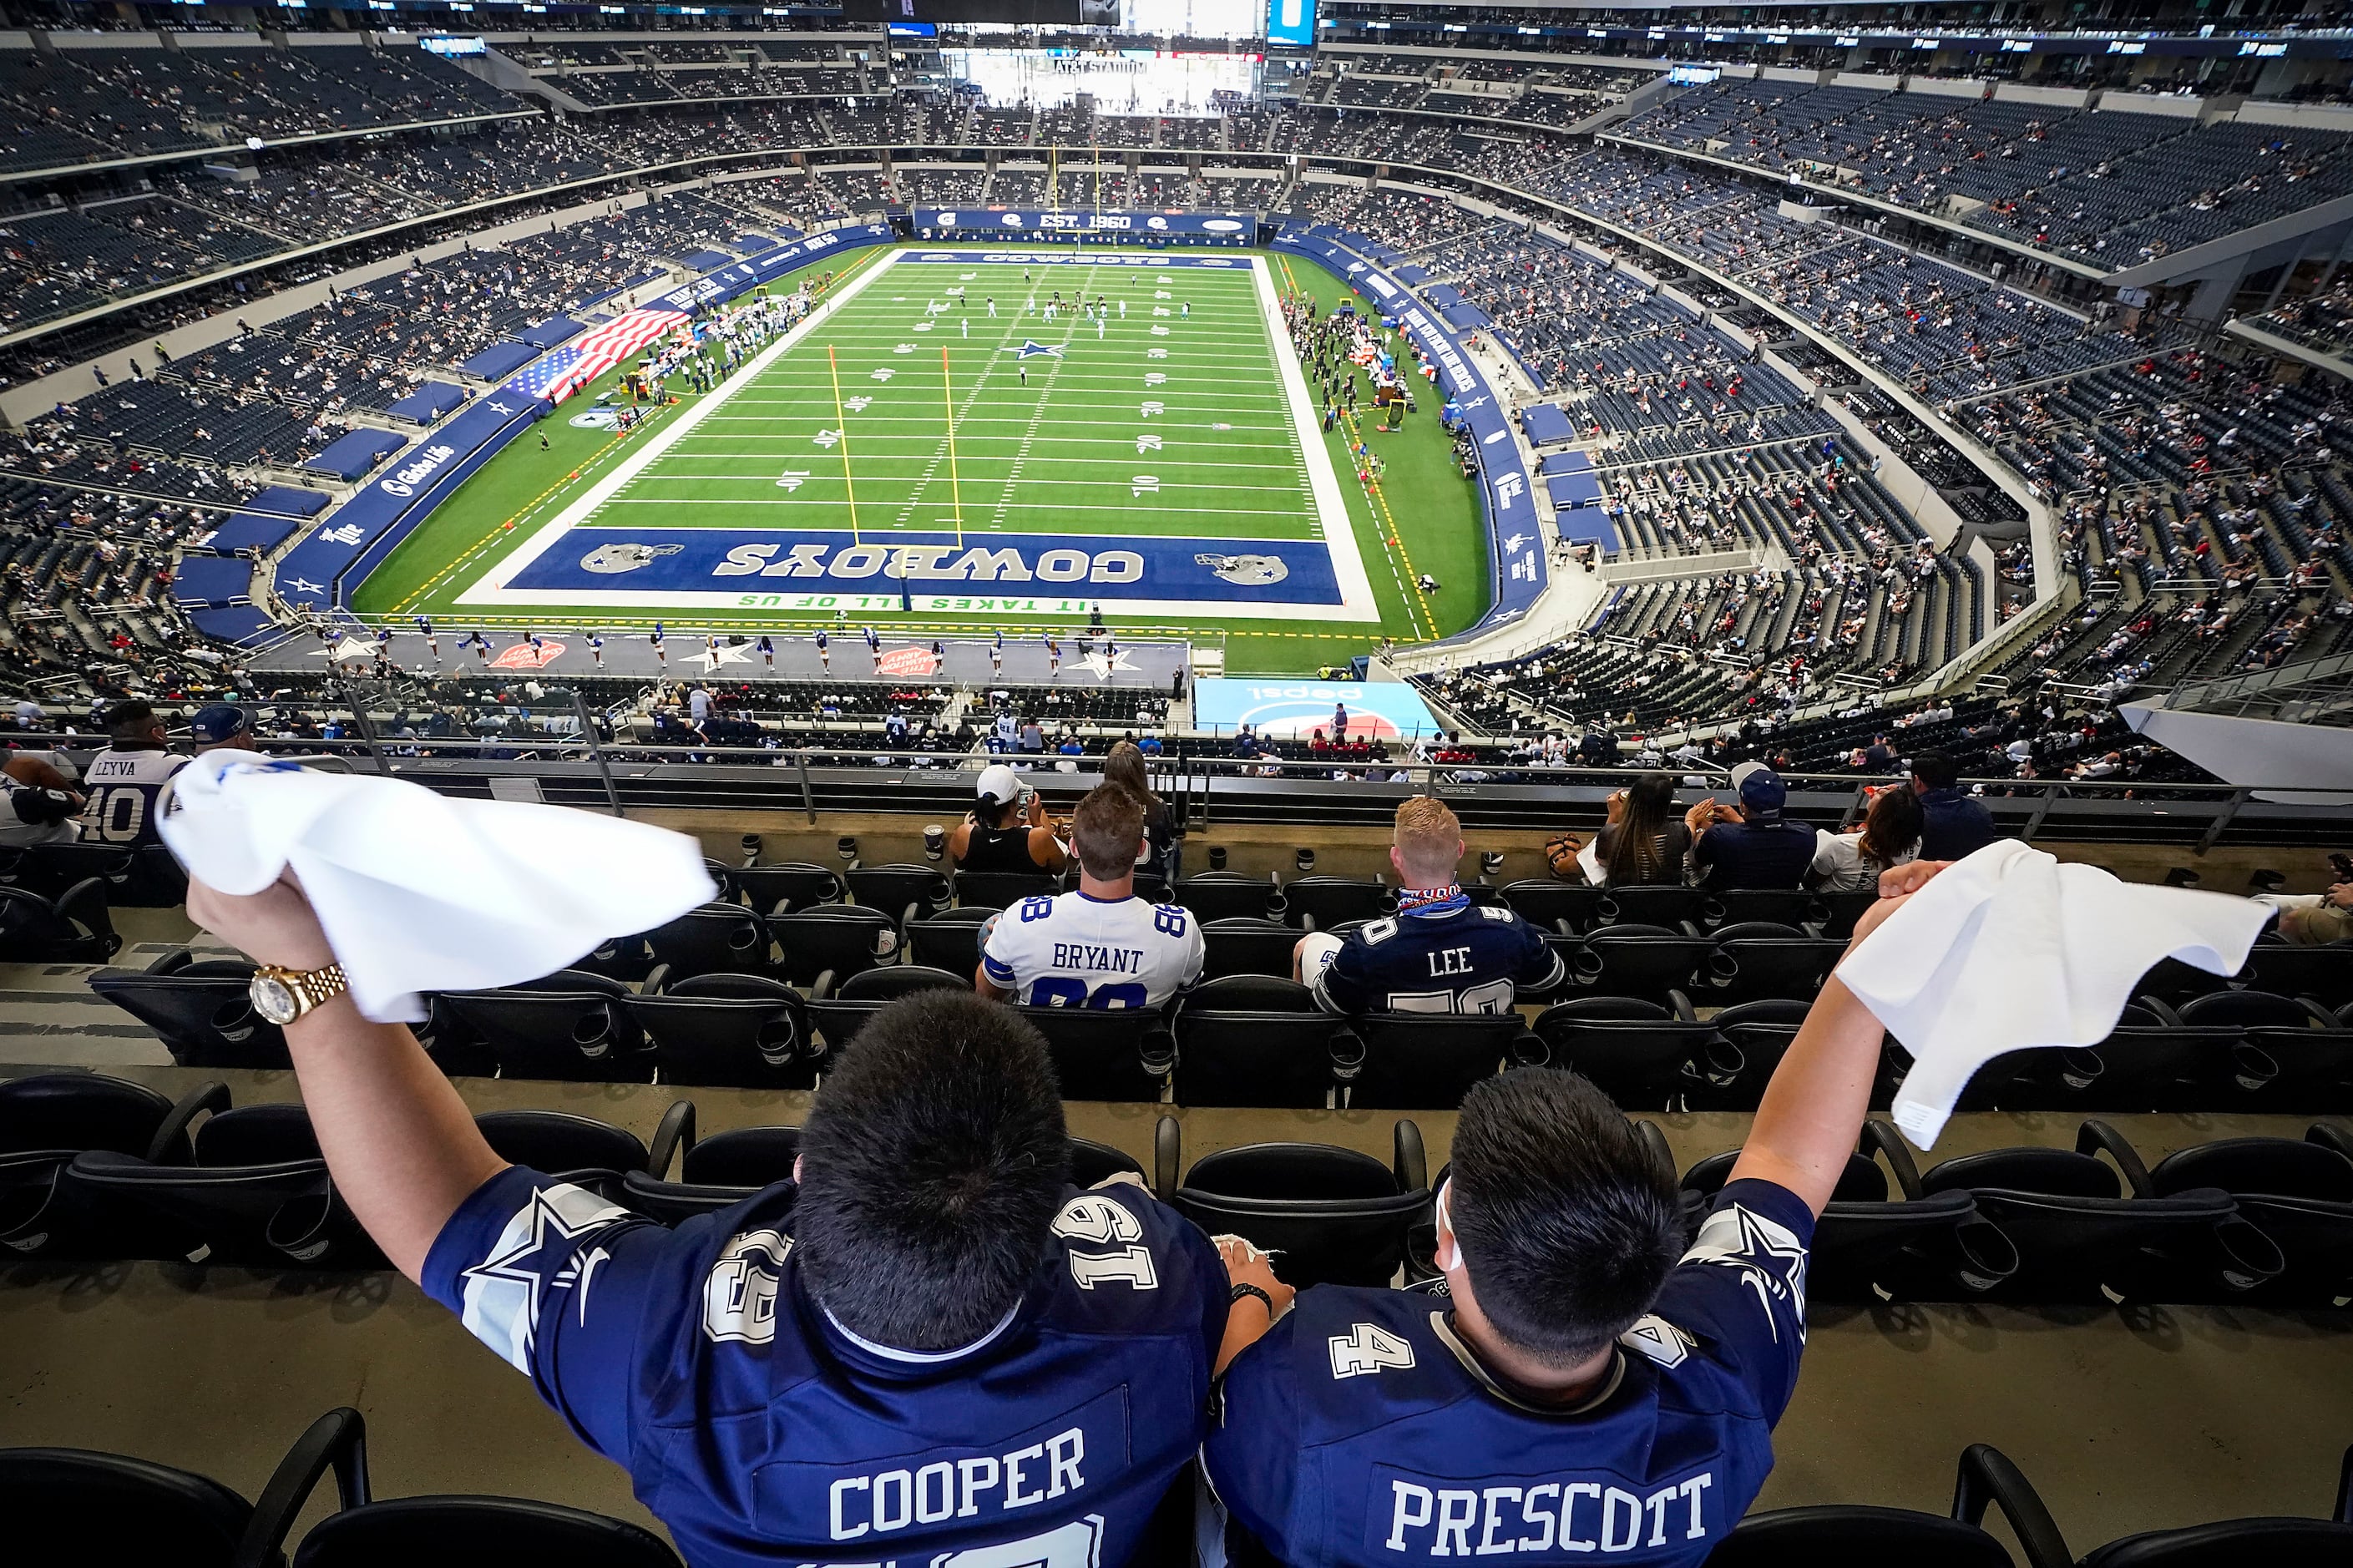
[(1762, 792), (218, 722)]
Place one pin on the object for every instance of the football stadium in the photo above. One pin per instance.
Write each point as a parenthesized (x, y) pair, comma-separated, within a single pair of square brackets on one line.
[(1056, 784)]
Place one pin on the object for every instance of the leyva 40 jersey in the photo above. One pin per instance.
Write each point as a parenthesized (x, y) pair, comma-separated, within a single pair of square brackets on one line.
[(762, 1432), (1363, 1431)]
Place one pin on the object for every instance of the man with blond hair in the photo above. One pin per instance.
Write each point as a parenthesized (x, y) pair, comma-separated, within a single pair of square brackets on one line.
[(1439, 953)]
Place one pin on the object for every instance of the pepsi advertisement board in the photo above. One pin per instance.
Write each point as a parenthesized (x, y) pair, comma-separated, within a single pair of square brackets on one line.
[(1030, 223)]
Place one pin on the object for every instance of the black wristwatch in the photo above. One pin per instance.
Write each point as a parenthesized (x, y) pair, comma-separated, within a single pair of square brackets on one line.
[(1240, 1291)]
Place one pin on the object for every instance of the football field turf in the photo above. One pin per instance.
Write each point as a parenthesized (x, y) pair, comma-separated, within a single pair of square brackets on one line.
[(1163, 461)]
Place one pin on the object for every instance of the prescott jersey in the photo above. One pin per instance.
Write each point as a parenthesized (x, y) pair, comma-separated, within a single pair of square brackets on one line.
[(121, 791), (762, 1432), (1449, 955), (1079, 951), (1361, 1431)]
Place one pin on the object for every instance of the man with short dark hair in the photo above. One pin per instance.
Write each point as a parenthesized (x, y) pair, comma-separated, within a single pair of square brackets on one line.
[(1101, 946), (928, 1346), (124, 784), (1750, 845), (1952, 823), (1571, 1387)]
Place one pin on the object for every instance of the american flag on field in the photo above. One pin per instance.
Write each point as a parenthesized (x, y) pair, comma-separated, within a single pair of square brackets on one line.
[(559, 374)]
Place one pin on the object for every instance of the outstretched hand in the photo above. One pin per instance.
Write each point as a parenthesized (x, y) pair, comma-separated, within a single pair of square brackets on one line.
[(1896, 884), (276, 925)]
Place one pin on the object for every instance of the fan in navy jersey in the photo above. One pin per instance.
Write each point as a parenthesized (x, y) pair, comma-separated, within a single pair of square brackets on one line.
[(1579, 1383), (928, 1347), (1440, 953)]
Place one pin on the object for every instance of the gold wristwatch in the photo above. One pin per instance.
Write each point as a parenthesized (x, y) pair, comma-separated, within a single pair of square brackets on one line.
[(282, 996)]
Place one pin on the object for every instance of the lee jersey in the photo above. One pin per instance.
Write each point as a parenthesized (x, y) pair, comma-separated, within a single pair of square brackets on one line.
[(120, 795), (1361, 1431), (1450, 956), (762, 1433), (1077, 951)]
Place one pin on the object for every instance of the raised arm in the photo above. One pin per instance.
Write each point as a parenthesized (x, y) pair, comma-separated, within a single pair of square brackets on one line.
[(402, 1149), (1813, 1109)]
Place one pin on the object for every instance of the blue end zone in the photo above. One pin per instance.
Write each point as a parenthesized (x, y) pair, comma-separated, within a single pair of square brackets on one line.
[(597, 561)]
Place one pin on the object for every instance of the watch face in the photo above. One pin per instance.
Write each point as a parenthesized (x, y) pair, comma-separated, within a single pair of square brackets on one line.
[(274, 999)]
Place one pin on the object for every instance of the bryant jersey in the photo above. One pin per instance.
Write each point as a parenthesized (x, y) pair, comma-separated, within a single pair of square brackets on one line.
[(1448, 956), (120, 795), (1362, 1431), (761, 1432), (1077, 951)]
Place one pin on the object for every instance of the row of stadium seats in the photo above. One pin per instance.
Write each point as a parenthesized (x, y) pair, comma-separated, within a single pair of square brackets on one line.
[(94, 1167)]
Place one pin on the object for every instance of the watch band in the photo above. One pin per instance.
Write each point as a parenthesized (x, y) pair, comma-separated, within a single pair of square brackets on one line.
[(1265, 1300), (311, 988)]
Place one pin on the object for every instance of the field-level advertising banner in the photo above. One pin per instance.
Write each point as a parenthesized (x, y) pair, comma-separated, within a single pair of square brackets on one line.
[(1232, 229), (1383, 710), (356, 537), (1515, 543)]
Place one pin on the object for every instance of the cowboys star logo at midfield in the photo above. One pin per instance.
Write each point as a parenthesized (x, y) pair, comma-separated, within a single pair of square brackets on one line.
[(1247, 570), (609, 559)]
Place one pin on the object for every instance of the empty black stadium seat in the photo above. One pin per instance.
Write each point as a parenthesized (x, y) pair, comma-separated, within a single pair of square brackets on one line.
[(1332, 1216), (75, 928), (1761, 1032), (906, 893), (582, 1150), (1120, 1053), (1644, 1054), (1630, 960), (1224, 895), (737, 1031), (1429, 1061), (1254, 1039), (824, 945), (774, 889), (457, 1531), (144, 878), (1777, 906), (202, 1009), (717, 939), (2325, 973), (1666, 907), (2080, 1240), (1240, 944), (1563, 907), (569, 1026), (1856, 1533), (70, 1505), (1757, 959), (949, 939), (47, 1120), (1320, 903), (2299, 1194)]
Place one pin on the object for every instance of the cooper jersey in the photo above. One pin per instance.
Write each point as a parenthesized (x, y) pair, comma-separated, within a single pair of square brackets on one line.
[(121, 791), (1361, 1431), (761, 1432), (1077, 951), (1449, 956)]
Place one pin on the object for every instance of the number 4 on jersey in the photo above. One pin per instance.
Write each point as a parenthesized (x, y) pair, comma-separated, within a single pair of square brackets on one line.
[(1369, 1347)]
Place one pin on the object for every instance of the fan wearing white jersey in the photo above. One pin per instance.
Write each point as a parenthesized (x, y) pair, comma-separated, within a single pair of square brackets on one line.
[(1101, 946), (123, 784)]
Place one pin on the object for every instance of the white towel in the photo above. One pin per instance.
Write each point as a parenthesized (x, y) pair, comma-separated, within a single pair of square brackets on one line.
[(2009, 949), (418, 892)]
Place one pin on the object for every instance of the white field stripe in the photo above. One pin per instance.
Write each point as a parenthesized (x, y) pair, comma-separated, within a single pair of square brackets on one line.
[(1339, 534)]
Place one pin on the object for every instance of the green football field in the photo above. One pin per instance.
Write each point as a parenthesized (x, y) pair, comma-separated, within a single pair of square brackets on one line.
[(1169, 443)]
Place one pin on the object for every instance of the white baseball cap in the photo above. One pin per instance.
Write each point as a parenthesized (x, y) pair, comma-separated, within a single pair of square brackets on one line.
[(999, 784)]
